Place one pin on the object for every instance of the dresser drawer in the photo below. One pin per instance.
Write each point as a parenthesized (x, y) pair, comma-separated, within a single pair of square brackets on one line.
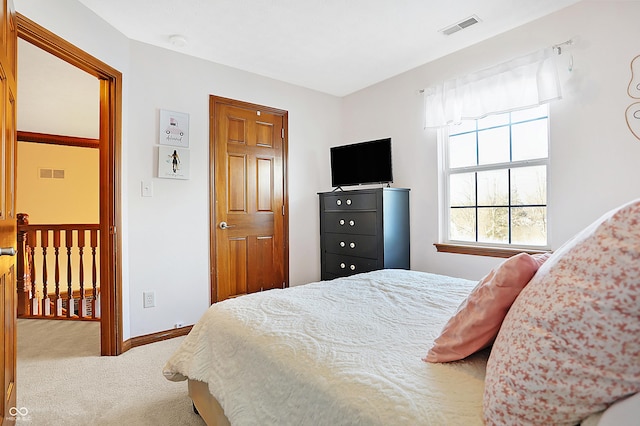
[(363, 230), (348, 265), (351, 245), (350, 201), (350, 222)]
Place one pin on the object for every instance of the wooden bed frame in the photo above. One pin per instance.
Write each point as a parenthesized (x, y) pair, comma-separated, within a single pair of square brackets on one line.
[(206, 405)]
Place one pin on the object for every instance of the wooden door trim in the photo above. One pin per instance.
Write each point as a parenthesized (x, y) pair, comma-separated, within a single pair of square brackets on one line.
[(110, 173), (214, 101)]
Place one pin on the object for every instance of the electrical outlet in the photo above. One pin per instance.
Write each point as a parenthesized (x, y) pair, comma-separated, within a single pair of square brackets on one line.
[(149, 299), (178, 325)]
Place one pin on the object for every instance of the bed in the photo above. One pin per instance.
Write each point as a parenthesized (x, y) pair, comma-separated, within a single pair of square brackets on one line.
[(345, 351), (549, 339)]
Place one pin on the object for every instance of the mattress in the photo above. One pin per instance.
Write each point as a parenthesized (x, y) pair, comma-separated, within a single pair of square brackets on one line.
[(345, 351)]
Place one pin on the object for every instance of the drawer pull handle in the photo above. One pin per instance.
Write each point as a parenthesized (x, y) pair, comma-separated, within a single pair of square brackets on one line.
[(352, 222), (342, 244), (339, 202), (348, 202), (341, 222), (342, 266), (353, 267), (352, 245)]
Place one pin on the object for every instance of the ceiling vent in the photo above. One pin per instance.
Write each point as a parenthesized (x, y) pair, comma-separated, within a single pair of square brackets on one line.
[(51, 174), (466, 23)]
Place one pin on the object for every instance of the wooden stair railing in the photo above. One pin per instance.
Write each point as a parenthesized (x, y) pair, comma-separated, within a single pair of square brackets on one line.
[(34, 242)]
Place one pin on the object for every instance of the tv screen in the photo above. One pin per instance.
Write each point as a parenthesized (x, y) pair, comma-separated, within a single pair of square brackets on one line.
[(361, 163)]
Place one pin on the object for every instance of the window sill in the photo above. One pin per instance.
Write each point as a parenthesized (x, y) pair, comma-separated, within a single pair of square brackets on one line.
[(483, 251)]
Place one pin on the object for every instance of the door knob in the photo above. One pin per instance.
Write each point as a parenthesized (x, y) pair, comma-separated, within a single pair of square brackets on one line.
[(223, 225), (7, 251)]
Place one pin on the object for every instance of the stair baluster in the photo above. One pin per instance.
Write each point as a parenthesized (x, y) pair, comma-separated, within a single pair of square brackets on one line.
[(23, 271), (68, 237), (82, 301), (57, 301), (94, 274), (35, 306), (46, 302)]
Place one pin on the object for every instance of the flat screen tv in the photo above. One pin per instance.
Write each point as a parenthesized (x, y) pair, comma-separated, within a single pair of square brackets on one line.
[(361, 163)]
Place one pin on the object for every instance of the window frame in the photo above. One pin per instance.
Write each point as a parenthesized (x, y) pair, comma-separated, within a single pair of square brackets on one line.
[(446, 244)]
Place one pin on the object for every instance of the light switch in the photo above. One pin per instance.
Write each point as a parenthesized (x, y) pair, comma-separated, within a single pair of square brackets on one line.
[(147, 188)]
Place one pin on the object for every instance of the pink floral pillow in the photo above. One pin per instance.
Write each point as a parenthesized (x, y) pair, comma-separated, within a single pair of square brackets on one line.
[(570, 345), (476, 323)]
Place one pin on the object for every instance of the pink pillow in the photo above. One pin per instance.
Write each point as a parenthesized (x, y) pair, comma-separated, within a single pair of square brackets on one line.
[(476, 323), (570, 344)]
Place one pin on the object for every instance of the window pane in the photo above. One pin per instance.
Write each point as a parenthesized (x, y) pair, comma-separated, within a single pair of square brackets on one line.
[(462, 150), (493, 188), (529, 114), (493, 121), (529, 226), (493, 225), (530, 140), (493, 146), (529, 185), (462, 189), (462, 224)]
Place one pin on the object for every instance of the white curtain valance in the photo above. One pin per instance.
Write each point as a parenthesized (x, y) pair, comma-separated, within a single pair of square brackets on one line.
[(520, 83)]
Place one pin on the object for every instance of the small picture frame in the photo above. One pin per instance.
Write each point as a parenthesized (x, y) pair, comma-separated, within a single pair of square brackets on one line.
[(174, 128), (173, 163)]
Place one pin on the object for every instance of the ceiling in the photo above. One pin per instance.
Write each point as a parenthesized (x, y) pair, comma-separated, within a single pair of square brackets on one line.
[(333, 46)]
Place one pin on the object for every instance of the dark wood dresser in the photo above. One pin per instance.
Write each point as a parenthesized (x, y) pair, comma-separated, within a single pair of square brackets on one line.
[(363, 230)]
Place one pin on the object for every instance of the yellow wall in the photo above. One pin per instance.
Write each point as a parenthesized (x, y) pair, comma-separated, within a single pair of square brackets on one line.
[(74, 199)]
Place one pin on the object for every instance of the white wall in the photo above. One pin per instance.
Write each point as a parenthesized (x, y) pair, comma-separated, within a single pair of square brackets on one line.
[(165, 237), (594, 157), (72, 199), (56, 97), (168, 238)]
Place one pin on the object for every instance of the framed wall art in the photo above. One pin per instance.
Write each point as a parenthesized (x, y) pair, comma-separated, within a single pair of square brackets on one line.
[(174, 128), (173, 162)]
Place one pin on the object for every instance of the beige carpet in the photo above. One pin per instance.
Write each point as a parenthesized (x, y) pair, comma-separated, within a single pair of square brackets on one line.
[(62, 380)]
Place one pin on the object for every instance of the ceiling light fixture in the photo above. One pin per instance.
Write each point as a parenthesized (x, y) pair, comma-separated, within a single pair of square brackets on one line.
[(178, 40)]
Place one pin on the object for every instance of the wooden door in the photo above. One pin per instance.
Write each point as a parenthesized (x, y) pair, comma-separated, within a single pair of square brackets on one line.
[(7, 213), (249, 227)]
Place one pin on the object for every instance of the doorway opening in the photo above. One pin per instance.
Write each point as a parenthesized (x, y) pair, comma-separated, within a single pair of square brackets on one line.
[(110, 101)]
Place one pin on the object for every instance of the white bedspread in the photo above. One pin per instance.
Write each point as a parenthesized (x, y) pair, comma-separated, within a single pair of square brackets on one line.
[(346, 351)]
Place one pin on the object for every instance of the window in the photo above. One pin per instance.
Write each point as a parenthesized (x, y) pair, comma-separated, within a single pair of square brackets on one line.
[(495, 180)]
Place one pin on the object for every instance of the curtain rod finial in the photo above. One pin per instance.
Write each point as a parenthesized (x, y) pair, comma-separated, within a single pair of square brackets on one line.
[(558, 46)]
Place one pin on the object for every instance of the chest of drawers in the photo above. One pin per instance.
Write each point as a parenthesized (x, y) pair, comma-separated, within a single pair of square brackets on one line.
[(363, 230)]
